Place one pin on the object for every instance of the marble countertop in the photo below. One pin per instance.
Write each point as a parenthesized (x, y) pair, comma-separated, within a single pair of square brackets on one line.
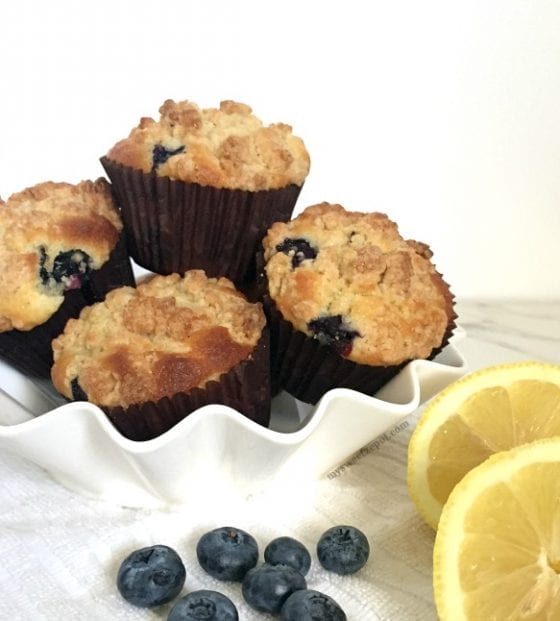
[(60, 551), (509, 330)]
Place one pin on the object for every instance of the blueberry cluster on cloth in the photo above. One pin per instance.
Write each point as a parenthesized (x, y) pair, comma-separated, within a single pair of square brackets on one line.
[(154, 575)]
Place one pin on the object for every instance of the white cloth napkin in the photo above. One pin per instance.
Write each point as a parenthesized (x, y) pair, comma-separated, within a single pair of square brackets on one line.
[(60, 551)]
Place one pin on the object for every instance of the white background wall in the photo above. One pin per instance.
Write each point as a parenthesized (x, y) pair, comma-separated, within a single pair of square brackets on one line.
[(445, 115)]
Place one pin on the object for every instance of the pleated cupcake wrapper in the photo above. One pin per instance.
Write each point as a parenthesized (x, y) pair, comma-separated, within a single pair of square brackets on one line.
[(174, 226), (307, 369), (246, 388), (31, 351)]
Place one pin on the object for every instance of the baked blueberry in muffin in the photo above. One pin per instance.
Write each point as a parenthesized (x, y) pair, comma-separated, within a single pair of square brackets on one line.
[(298, 249), (347, 288), (161, 154), (70, 268), (334, 331)]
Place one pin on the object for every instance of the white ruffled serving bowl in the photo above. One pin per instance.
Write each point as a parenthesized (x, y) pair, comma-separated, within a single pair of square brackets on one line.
[(215, 447)]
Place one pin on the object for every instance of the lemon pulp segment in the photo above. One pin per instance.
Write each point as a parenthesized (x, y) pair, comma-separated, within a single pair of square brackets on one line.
[(489, 411), (497, 550)]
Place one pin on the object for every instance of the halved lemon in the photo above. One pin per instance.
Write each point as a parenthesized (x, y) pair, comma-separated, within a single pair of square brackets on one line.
[(488, 411), (497, 548)]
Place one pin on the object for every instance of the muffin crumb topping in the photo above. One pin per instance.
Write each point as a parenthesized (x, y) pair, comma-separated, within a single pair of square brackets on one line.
[(169, 335), (225, 147)]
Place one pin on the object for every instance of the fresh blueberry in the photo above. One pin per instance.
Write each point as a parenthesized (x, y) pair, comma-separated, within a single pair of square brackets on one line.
[(151, 576), (161, 154), (310, 605), (267, 587), (343, 549), (334, 331), (203, 606), (299, 249), (227, 553), (288, 551), (78, 393)]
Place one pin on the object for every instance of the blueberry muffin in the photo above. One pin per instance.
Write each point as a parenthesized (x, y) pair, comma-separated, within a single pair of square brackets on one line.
[(349, 301), (151, 355), (200, 187), (60, 249)]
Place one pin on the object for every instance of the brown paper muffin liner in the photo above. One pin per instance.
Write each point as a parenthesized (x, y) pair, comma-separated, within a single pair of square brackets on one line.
[(174, 226), (246, 388), (307, 369), (30, 351)]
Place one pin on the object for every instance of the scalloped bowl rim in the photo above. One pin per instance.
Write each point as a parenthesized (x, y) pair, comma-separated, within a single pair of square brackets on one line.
[(138, 468)]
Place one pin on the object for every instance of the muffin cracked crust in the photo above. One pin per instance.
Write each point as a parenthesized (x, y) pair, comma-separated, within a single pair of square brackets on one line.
[(52, 236), (169, 335), (350, 280), (225, 147)]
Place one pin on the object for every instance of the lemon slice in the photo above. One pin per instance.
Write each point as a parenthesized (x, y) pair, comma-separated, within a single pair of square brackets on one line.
[(491, 410), (497, 548)]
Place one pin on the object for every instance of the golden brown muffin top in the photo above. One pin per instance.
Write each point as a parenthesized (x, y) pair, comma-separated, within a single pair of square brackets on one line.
[(51, 234), (350, 280), (169, 335), (227, 147)]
